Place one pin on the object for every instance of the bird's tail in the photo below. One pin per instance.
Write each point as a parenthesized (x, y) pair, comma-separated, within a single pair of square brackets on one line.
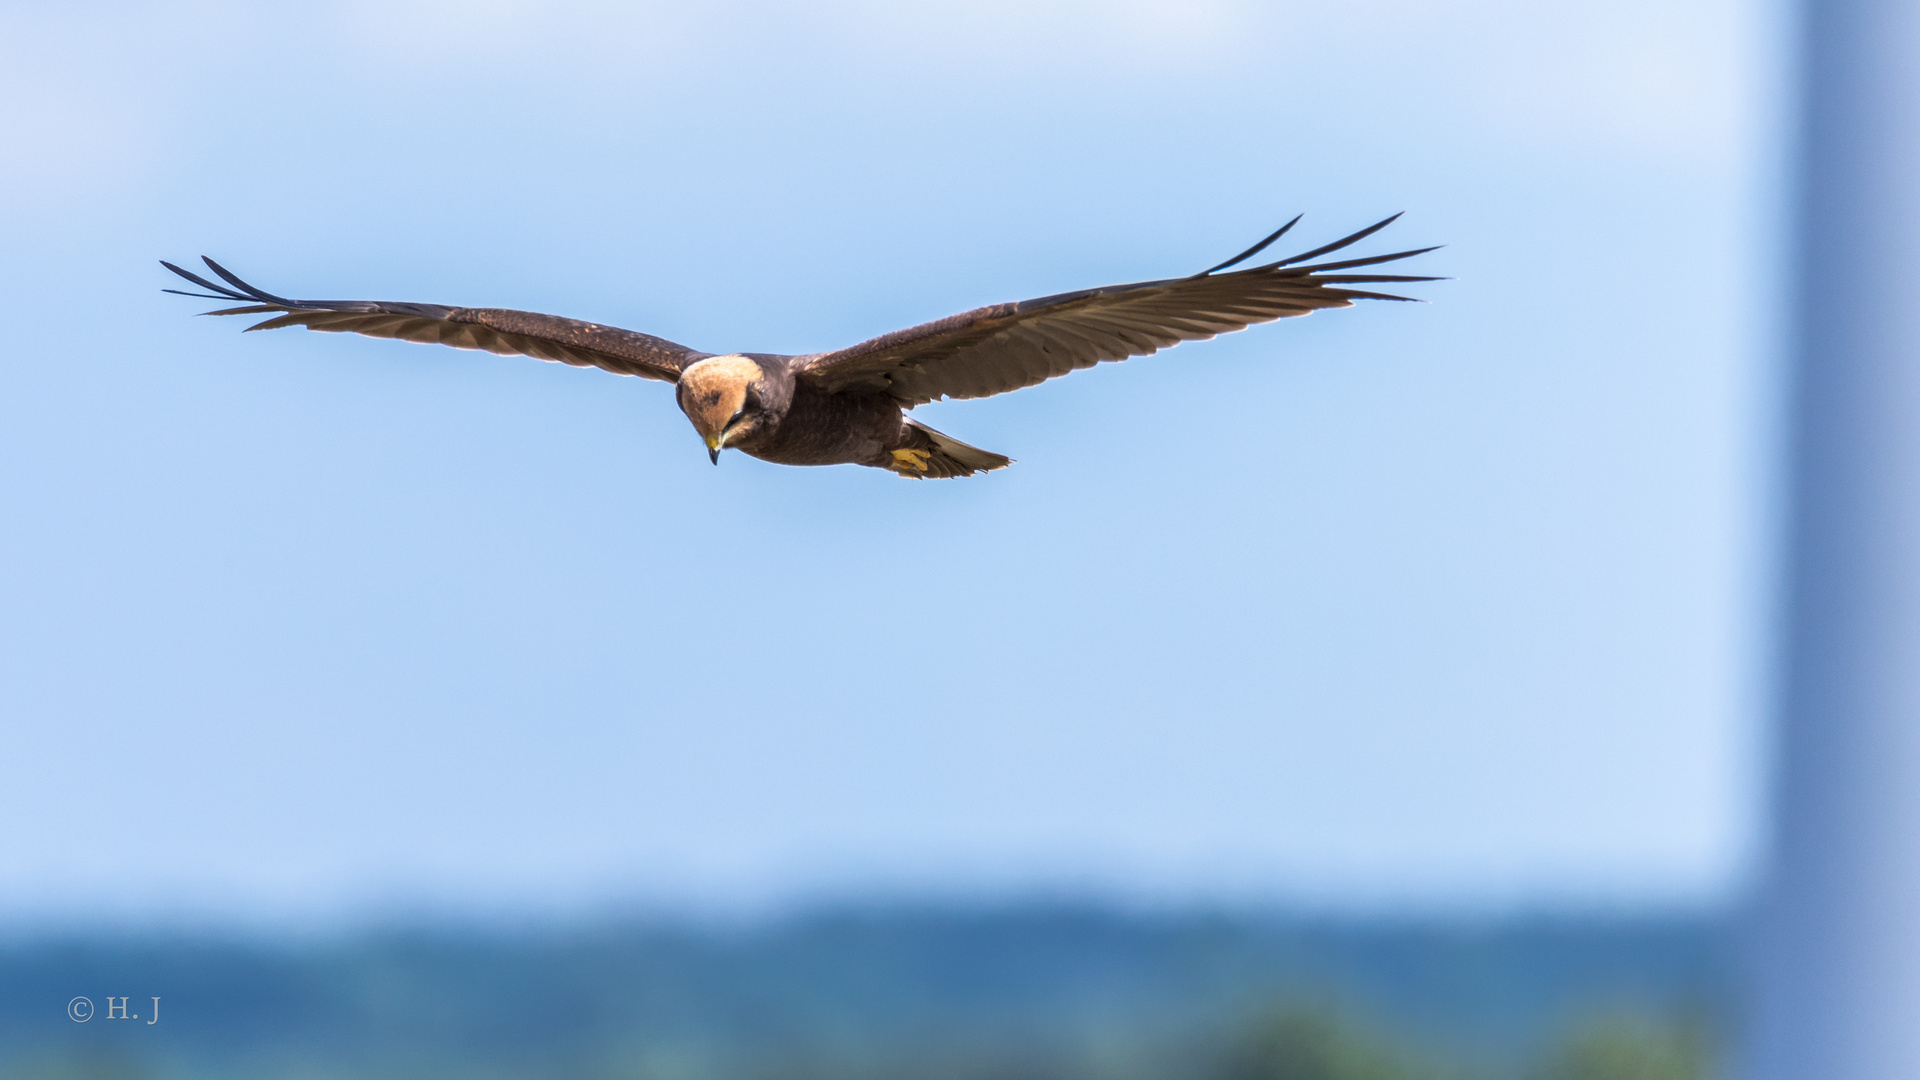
[(929, 454)]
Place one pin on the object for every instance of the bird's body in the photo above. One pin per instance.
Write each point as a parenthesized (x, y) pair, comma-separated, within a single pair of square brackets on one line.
[(790, 421), (849, 406)]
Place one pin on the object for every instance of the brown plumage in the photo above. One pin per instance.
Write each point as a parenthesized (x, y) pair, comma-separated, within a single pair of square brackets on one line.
[(849, 406)]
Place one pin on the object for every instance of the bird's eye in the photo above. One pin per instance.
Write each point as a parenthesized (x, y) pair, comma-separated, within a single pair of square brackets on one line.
[(737, 417)]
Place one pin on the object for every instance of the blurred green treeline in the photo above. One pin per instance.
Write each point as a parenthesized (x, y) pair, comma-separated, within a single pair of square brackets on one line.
[(1050, 993)]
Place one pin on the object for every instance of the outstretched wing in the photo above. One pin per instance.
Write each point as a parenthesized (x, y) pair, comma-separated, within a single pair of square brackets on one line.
[(499, 330), (992, 350)]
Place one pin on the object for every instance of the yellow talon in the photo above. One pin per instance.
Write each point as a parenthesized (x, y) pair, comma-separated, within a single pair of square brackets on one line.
[(915, 459)]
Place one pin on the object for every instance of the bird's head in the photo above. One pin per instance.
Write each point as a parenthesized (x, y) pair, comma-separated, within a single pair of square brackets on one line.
[(726, 397)]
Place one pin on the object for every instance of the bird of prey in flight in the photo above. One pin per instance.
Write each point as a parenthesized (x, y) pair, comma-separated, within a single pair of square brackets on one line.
[(849, 406)]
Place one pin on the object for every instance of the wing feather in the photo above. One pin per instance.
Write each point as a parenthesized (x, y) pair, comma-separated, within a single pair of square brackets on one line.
[(1003, 347), (496, 330)]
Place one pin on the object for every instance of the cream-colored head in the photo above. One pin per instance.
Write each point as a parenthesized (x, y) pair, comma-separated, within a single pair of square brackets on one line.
[(722, 395)]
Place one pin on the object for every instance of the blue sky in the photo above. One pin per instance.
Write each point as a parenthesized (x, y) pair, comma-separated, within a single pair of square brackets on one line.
[(1421, 606)]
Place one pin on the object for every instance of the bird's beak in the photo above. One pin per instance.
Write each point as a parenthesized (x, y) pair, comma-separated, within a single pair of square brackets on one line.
[(714, 444), (713, 454)]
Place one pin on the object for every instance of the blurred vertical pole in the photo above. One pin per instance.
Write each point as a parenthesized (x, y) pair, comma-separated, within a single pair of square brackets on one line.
[(1838, 975)]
